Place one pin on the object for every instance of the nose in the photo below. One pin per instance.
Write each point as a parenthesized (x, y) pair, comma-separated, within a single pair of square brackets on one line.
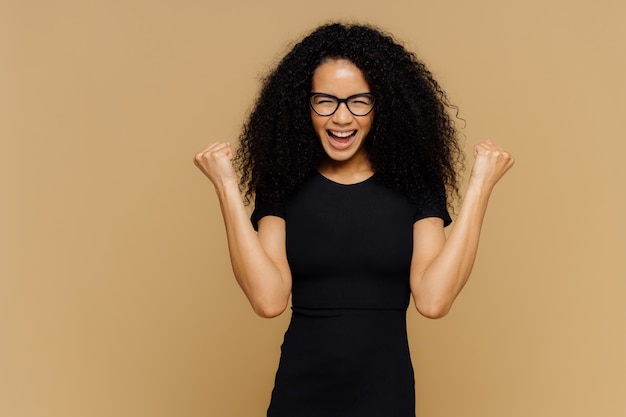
[(342, 115)]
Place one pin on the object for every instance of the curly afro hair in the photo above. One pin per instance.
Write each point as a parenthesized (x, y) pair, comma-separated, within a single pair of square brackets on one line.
[(412, 145)]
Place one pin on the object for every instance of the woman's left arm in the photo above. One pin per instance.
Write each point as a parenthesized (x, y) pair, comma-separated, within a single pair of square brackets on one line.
[(440, 267)]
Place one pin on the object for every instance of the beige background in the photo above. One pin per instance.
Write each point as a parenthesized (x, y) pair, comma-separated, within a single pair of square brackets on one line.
[(116, 296)]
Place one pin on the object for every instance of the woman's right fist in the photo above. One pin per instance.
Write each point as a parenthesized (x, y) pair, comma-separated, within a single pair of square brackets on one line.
[(215, 161)]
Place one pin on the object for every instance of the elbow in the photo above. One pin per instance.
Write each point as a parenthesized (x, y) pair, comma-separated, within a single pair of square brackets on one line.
[(269, 310), (433, 310)]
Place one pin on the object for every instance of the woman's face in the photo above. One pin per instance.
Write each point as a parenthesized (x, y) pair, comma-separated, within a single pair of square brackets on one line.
[(342, 134)]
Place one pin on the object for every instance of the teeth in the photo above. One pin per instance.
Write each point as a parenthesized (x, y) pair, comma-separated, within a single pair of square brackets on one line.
[(342, 134)]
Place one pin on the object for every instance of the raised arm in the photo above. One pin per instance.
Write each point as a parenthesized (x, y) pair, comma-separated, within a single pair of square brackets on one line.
[(440, 268), (259, 260)]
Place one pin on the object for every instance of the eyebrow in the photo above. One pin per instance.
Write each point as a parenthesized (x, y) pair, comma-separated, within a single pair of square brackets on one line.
[(330, 95)]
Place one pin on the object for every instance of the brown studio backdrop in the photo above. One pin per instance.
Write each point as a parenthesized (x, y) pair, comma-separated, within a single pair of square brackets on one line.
[(116, 295)]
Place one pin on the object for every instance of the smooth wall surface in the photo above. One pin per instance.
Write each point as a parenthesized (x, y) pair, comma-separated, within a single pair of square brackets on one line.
[(116, 295)]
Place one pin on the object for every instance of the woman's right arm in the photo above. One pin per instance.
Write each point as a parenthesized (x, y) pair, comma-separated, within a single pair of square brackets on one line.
[(259, 260)]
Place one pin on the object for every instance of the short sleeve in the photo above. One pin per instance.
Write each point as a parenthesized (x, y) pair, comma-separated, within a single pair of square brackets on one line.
[(433, 204), (263, 206)]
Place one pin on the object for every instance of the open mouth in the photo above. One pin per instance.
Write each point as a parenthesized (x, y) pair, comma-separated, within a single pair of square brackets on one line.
[(341, 138)]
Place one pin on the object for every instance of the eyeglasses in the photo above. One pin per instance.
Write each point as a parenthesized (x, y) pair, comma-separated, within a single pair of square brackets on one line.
[(326, 105)]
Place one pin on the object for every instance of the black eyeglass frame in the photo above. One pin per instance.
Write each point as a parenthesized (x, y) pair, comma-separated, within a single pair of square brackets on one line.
[(342, 100)]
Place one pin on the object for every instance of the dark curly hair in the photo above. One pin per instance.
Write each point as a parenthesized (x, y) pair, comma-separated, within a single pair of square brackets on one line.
[(412, 145)]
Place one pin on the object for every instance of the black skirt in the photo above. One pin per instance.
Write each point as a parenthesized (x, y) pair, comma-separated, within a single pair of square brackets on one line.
[(344, 363)]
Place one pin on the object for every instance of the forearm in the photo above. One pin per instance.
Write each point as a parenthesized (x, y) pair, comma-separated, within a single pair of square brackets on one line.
[(265, 285), (444, 278)]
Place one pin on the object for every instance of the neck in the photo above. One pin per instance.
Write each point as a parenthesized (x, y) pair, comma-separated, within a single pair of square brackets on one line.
[(351, 171)]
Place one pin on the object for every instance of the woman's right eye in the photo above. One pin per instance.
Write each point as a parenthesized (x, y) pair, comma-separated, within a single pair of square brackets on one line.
[(323, 100)]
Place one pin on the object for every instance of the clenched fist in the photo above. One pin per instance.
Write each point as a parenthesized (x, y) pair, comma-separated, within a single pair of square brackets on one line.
[(215, 161), (491, 162)]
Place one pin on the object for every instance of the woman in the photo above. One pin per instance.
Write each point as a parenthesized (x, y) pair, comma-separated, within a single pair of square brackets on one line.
[(350, 155)]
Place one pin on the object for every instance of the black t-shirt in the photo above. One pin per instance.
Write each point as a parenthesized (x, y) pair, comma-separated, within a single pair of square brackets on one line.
[(350, 246)]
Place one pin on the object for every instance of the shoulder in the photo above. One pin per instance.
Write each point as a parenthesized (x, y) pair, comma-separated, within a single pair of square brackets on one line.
[(432, 202), (265, 206), (273, 204)]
